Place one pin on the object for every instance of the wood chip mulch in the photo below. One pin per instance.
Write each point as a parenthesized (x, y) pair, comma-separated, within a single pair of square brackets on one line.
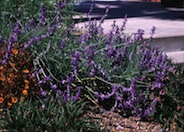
[(114, 122)]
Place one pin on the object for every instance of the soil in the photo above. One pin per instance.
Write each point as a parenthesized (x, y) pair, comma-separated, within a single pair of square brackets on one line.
[(114, 122)]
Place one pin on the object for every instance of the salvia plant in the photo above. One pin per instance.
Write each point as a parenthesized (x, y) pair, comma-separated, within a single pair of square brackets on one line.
[(114, 70)]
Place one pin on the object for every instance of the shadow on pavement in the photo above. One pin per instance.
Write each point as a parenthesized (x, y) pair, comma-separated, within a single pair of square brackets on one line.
[(119, 8)]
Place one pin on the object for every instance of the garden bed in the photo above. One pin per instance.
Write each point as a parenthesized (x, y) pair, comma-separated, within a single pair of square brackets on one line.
[(52, 78)]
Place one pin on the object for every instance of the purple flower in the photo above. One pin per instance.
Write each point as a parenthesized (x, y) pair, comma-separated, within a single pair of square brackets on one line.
[(104, 16), (152, 31), (43, 93), (76, 96), (62, 45), (108, 95), (92, 72), (68, 92), (74, 62), (3, 61), (52, 29), (42, 14), (84, 38), (34, 40), (139, 35), (110, 51), (89, 52), (54, 87), (69, 79), (91, 8), (13, 39), (157, 84), (143, 78), (59, 5), (116, 87), (76, 55), (40, 82), (32, 23), (17, 29), (124, 23), (151, 108)]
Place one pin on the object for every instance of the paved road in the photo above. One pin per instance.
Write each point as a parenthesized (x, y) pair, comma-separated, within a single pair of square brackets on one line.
[(120, 8), (143, 15), (169, 22)]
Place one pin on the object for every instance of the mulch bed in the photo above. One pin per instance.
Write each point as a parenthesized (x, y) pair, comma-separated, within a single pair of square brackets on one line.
[(114, 122)]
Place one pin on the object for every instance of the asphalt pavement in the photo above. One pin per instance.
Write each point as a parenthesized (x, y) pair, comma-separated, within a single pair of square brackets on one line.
[(169, 22), (141, 15)]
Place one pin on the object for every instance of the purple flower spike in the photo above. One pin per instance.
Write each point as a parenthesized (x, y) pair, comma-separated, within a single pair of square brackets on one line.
[(62, 45), (139, 35), (77, 95), (92, 72), (43, 93), (3, 62), (17, 29), (13, 39), (54, 87), (152, 31), (76, 55), (59, 5), (157, 84), (32, 23), (151, 108), (124, 23), (42, 14), (52, 30)]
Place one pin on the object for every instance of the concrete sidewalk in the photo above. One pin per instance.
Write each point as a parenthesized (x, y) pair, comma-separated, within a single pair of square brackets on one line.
[(169, 22)]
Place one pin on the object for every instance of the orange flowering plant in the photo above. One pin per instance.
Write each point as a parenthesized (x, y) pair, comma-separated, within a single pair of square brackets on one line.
[(16, 81)]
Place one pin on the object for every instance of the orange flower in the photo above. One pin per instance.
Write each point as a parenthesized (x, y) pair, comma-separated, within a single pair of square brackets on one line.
[(26, 86), (1, 100), (2, 78), (15, 51), (25, 92), (9, 104), (1, 67), (9, 80), (26, 81), (25, 71), (14, 99), (11, 75)]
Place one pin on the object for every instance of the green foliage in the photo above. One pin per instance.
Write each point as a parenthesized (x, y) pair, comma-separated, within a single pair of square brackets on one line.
[(171, 108), (13, 10), (52, 114)]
